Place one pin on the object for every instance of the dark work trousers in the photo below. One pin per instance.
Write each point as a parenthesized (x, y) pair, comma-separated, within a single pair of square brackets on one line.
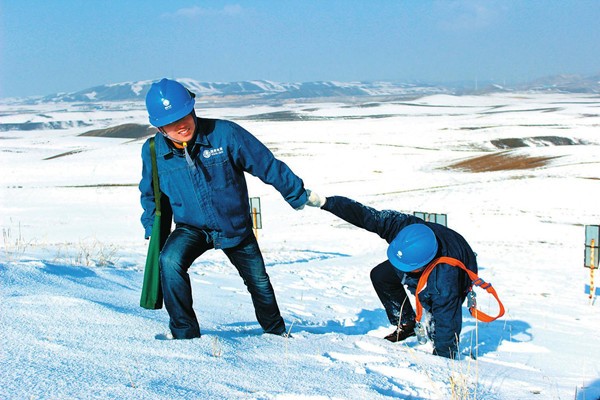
[(387, 282), (186, 244)]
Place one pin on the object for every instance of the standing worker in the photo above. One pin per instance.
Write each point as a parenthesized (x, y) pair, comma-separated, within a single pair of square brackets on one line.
[(413, 244), (201, 164)]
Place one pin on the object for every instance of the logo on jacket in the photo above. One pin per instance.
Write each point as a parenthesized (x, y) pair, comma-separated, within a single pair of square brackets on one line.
[(208, 153)]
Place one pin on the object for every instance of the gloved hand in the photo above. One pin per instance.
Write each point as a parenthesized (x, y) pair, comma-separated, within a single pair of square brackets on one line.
[(314, 200)]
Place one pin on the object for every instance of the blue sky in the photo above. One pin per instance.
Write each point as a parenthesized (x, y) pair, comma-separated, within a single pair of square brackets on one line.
[(49, 46)]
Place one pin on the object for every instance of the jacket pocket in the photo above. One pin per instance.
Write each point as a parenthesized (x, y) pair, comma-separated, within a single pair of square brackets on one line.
[(218, 170), (174, 183)]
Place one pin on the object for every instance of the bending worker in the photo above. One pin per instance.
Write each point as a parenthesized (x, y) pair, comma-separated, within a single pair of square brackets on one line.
[(413, 244)]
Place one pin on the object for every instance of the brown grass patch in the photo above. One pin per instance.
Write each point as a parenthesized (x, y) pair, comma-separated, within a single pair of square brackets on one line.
[(125, 131), (503, 161), (535, 141), (68, 153)]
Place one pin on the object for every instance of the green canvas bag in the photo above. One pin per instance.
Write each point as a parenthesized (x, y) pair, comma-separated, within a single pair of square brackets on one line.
[(152, 297)]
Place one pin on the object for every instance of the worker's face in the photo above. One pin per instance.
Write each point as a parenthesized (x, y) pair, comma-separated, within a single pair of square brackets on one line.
[(417, 271), (181, 130)]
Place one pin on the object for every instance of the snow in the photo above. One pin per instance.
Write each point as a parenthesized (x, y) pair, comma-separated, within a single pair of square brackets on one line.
[(73, 253)]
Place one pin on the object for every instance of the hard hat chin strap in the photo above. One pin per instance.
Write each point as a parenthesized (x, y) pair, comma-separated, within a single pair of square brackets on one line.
[(184, 144), (188, 158), (169, 137)]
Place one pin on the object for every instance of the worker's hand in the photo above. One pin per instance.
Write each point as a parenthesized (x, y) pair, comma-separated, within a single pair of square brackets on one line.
[(314, 200)]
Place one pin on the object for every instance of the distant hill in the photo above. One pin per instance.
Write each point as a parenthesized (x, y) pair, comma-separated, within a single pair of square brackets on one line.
[(564, 84), (268, 91), (250, 90)]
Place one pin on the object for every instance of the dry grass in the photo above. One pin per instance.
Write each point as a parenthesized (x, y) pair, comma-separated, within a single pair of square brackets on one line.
[(502, 161), (88, 253), (14, 244), (217, 349)]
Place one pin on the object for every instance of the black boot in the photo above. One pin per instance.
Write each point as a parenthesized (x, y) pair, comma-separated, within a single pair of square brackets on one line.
[(402, 332)]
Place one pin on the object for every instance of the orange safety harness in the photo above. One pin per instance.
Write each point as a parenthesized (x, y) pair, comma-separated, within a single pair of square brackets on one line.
[(476, 280)]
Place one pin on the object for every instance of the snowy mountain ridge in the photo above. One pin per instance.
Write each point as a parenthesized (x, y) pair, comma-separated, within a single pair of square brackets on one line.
[(266, 90), (250, 90)]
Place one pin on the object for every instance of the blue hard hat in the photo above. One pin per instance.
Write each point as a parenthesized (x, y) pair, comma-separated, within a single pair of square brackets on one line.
[(413, 247), (168, 101)]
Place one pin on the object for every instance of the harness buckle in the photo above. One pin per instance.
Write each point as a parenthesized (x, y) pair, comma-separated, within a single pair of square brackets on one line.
[(471, 299), (420, 332)]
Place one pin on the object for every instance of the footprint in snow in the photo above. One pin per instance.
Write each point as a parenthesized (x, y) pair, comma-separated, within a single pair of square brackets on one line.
[(373, 348), (355, 358)]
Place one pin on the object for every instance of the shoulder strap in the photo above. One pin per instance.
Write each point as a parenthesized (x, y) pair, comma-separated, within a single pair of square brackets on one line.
[(477, 281), (155, 182)]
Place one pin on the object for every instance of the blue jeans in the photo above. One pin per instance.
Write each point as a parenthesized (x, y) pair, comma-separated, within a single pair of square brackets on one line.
[(387, 282), (186, 244)]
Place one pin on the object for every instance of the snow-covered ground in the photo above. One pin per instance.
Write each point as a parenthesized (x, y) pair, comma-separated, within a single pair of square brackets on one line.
[(73, 253)]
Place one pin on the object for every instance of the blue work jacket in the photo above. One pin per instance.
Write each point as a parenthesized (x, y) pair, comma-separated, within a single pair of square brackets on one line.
[(210, 192), (446, 286)]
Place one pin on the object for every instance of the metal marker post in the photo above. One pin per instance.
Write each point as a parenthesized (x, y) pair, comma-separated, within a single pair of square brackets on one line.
[(441, 219), (592, 268), (256, 214), (254, 222), (591, 256)]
